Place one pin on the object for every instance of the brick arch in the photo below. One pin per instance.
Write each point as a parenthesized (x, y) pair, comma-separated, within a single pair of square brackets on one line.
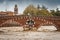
[(46, 22), (10, 22), (57, 24)]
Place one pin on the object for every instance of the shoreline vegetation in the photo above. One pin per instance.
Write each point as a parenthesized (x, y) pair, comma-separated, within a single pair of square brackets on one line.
[(40, 11)]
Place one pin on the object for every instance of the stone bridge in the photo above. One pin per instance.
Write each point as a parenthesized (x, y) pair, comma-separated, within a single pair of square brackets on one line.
[(25, 20)]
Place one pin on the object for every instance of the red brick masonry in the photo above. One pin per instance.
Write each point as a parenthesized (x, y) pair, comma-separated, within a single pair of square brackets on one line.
[(38, 20)]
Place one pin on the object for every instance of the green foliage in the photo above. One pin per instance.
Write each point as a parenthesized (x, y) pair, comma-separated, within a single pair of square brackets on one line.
[(55, 13), (30, 9), (52, 12), (40, 11)]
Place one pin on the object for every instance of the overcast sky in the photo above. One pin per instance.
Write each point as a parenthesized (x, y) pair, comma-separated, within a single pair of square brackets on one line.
[(22, 4)]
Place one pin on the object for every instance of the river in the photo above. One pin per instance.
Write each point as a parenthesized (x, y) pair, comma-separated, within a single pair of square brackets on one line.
[(28, 35)]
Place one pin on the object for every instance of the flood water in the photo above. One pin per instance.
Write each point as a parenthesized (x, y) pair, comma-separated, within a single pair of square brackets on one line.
[(28, 35)]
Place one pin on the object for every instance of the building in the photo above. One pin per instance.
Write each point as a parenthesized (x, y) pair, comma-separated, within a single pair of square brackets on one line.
[(9, 13)]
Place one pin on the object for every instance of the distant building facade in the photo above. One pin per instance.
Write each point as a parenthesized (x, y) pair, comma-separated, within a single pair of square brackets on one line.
[(9, 13)]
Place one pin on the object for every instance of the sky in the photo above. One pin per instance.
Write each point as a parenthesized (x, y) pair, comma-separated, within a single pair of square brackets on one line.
[(22, 4)]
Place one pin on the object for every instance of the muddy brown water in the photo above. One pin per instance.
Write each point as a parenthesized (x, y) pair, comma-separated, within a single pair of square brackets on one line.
[(28, 35)]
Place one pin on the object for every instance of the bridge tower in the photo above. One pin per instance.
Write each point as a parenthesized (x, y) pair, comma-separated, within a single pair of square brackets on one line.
[(16, 9)]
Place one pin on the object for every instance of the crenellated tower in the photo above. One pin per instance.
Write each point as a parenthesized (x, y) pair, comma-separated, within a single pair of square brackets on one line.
[(16, 9)]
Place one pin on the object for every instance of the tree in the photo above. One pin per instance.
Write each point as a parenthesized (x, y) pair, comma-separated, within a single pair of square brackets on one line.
[(52, 12), (35, 11), (57, 12), (38, 7), (43, 7), (44, 11), (30, 9)]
